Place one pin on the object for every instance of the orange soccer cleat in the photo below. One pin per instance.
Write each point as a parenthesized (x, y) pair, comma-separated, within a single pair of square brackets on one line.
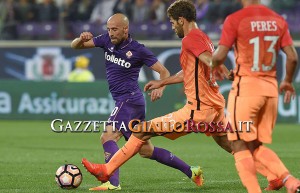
[(274, 185), (98, 170)]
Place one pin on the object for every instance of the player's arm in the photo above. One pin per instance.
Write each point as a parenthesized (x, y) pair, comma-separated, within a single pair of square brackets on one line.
[(291, 64), (221, 71), (85, 40), (228, 37), (163, 73), (219, 56), (161, 69), (174, 79)]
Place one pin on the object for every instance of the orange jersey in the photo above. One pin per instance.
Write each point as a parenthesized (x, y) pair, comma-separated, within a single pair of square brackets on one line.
[(257, 33), (201, 93)]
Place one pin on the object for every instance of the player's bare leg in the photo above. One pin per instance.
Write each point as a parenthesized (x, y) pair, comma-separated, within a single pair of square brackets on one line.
[(223, 142)]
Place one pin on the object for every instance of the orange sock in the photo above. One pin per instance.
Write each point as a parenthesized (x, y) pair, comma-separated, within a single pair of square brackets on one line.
[(260, 168), (130, 148), (245, 166), (271, 161)]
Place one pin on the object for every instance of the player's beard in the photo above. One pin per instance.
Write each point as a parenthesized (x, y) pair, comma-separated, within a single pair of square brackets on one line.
[(117, 41), (114, 41), (179, 32)]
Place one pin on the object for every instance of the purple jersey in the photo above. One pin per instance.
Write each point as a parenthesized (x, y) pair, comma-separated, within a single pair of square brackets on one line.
[(123, 63)]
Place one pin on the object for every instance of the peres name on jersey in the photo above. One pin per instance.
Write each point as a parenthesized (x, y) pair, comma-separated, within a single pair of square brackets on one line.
[(263, 26)]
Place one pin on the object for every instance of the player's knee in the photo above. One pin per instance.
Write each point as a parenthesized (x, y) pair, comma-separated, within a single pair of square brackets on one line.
[(253, 145), (103, 138), (143, 135), (226, 145), (109, 137), (223, 142), (145, 153), (239, 145), (146, 150)]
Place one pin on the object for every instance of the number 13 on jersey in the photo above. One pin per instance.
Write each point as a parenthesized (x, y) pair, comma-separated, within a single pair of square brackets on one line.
[(256, 46)]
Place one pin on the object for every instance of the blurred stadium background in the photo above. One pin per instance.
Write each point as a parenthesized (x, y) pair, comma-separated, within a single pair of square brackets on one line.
[(36, 58)]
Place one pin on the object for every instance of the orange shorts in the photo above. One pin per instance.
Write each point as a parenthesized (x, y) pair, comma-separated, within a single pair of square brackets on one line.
[(259, 111), (184, 114)]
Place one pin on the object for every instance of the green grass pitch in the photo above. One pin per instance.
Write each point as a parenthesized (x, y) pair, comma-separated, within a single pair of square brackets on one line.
[(30, 154)]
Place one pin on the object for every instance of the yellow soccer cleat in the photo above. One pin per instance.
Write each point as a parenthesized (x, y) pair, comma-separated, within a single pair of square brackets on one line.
[(197, 175), (107, 186)]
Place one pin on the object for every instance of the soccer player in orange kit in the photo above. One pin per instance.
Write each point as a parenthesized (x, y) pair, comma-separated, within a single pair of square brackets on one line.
[(257, 33), (204, 101)]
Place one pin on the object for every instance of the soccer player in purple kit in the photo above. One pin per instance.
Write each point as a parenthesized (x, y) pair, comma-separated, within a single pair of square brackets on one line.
[(124, 58)]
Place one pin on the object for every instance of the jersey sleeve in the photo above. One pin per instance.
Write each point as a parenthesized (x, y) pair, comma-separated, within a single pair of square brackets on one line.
[(147, 56), (229, 32), (99, 41), (286, 37), (195, 45)]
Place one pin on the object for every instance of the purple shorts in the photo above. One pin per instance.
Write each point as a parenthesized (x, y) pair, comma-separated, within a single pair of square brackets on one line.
[(124, 112)]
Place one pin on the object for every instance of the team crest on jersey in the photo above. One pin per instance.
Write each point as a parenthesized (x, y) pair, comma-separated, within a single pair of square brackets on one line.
[(111, 49), (107, 155), (129, 54)]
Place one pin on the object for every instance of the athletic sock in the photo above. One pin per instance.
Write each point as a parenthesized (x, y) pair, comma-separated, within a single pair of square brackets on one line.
[(245, 166), (131, 147), (167, 158), (110, 148), (271, 161)]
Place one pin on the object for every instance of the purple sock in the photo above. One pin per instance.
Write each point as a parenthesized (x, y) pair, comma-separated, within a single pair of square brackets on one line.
[(110, 148), (167, 158)]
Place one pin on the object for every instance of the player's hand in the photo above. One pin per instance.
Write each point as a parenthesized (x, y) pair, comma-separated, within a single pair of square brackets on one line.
[(221, 72), (153, 84), (218, 75), (86, 36), (156, 94), (288, 89), (231, 75)]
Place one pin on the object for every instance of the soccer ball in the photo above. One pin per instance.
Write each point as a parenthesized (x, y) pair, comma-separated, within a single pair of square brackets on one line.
[(68, 176)]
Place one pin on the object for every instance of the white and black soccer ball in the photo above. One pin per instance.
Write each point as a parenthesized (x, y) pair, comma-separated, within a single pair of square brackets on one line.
[(68, 176)]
